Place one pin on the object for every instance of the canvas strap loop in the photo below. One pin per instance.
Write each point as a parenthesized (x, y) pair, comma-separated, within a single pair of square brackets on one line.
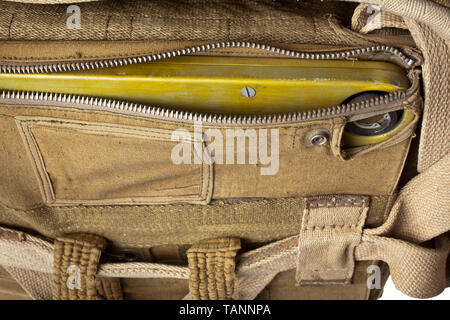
[(366, 19), (75, 262), (211, 265), (331, 229)]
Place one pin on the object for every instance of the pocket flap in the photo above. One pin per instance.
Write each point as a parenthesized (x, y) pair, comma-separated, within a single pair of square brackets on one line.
[(91, 163)]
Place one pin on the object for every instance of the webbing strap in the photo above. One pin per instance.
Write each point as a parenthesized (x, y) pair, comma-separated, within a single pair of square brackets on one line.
[(35, 283), (417, 271), (211, 265), (75, 263)]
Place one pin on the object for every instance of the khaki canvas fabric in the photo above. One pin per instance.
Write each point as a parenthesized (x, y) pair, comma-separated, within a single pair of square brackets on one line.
[(184, 20), (43, 189), (157, 26), (418, 270), (256, 221), (199, 222), (42, 162)]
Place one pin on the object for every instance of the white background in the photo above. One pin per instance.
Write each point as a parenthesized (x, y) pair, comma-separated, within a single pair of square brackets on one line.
[(391, 293)]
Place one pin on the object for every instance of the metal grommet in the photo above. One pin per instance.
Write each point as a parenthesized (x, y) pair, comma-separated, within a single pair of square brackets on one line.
[(319, 137)]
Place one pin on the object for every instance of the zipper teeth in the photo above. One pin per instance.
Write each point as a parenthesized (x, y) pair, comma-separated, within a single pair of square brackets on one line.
[(86, 65), (171, 114)]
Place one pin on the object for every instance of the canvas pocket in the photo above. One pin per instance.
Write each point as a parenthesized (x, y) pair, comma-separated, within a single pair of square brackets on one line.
[(90, 163)]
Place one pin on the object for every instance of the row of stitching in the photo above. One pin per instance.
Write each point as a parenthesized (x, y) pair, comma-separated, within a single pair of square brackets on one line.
[(176, 207), (331, 227), (328, 282), (180, 19), (336, 202)]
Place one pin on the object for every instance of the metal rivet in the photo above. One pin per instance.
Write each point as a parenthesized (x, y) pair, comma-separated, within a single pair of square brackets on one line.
[(319, 137), (248, 92)]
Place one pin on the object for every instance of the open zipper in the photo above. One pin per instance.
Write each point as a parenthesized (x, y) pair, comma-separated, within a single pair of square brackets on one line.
[(104, 104)]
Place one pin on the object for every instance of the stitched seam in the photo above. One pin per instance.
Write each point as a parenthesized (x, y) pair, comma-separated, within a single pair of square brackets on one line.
[(25, 133), (331, 227)]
